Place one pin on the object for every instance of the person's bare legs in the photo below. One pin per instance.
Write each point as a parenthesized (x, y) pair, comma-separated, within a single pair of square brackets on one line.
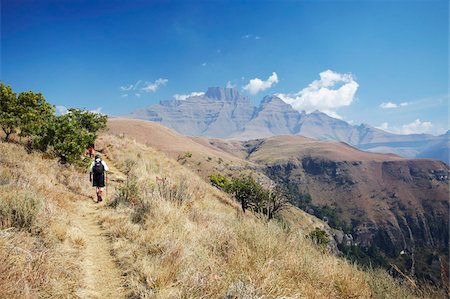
[(99, 194)]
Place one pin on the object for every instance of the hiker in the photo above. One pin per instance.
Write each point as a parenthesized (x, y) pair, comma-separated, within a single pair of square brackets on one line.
[(97, 175), (91, 150)]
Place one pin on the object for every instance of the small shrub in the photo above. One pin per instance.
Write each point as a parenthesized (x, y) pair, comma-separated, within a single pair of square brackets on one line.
[(20, 212), (140, 212), (184, 156), (128, 191), (319, 237), (220, 181)]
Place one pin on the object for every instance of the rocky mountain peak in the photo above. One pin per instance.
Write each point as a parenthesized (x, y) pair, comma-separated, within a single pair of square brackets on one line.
[(223, 94)]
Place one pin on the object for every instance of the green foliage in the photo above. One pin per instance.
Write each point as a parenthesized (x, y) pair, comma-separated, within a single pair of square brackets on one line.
[(19, 212), (90, 121), (68, 135), (319, 237), (24, 113), (33, 111), (9, 114), (252, 195), (367, 257), (220, 181)]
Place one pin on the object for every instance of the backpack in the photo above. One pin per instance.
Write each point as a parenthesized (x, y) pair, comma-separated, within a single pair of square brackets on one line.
[(98, 167)]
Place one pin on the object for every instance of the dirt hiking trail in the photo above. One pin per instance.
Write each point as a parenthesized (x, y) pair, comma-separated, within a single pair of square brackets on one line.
[(101, 277)]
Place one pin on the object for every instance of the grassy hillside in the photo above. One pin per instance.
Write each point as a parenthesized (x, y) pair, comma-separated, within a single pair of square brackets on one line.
[(199, 244), (39, 246), (174, 236)]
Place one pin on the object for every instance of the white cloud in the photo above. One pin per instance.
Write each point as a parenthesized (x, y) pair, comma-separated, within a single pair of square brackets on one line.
[(204, 64), (384, 126), (333, 90), (61, 110), (230, 85), (130, 87), (152, 87), (141, 86), (416, 127), (388, 105), (332, 114), (183, 97), (256, 85)]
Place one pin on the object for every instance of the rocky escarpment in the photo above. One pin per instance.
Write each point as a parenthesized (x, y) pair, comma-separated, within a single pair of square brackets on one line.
[(217, 113), (400, 207)]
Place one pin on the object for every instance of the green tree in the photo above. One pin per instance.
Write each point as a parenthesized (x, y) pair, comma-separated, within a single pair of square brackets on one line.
[(69, 135), (33, 112), (254, 196), (9, 114), (91, 121)]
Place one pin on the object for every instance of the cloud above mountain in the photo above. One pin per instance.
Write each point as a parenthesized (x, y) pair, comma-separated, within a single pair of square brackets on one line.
[(390, 105), (183, 97), (415, 127), (333, 90), (256, 85), (142, 86)]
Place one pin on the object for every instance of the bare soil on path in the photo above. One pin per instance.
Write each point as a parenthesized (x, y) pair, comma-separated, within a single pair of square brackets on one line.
[(102, 278)]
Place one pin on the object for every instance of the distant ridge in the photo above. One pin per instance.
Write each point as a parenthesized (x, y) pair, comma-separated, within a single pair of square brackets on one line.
[(224, 113)]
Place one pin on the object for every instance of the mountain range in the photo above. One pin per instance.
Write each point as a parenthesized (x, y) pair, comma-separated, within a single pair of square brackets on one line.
[(225, 113)]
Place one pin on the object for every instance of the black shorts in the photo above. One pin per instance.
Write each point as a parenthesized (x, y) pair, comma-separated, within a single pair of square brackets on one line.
[(98, 180)]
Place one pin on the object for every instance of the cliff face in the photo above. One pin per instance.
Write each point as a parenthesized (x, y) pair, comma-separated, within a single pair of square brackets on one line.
[(399, 206), (217, 113)]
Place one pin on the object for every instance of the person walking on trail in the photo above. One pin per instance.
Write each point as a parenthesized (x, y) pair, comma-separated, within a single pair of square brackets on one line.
[(97, 175)]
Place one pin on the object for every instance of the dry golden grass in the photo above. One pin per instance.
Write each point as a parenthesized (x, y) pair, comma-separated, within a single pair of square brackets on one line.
[(36, 260), (206, 248)]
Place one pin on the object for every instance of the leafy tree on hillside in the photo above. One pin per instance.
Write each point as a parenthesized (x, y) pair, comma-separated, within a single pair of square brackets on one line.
[(33, 111), (69, 135), (9, 115), (91, 121), (24, 113), (252, 195)]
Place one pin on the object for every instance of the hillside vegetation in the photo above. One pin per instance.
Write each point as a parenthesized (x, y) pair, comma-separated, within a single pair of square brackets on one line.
[(172, 235), (183, 238)]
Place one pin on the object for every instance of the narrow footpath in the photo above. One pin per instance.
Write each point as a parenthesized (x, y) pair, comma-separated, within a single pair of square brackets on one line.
[(102, 279)]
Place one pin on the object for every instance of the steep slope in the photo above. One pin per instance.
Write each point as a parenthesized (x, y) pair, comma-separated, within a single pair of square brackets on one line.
[(393, 203), (51, 245), (199, 244), (273, 117), (379, 198), (194, 152)]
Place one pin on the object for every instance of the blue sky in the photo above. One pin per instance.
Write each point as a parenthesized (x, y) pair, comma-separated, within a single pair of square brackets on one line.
[(384, 63)]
